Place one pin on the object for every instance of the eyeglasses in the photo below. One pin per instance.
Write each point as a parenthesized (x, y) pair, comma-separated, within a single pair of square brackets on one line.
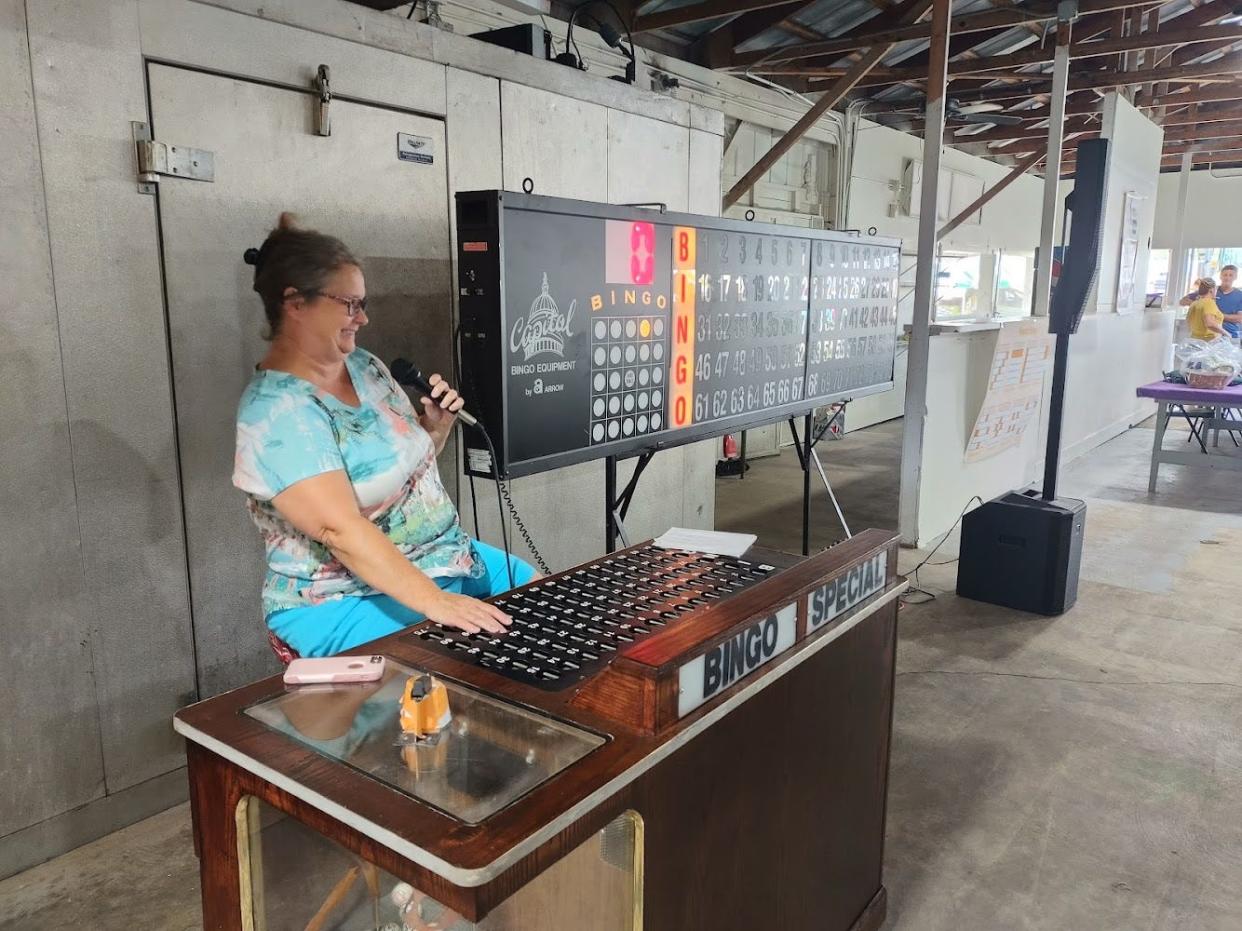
[(353, 305)]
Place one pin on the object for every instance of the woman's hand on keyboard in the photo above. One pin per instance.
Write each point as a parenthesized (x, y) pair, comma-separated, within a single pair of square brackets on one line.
[(468, 614)]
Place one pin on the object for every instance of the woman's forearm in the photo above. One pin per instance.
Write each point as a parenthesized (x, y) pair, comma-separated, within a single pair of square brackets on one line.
[(372, 557), (441, 440)]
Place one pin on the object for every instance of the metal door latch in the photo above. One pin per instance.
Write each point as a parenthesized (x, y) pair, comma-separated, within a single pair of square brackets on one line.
[(177, 161), (323, 119)]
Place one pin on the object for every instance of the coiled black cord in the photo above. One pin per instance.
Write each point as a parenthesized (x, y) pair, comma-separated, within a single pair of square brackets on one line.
[(504, 529), (521, 527)]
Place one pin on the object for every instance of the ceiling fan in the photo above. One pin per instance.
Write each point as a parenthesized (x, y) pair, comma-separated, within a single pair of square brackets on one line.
[(954, 113)]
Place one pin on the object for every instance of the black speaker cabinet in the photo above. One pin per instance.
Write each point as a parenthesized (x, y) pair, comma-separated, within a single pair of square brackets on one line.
[(1023, 552)]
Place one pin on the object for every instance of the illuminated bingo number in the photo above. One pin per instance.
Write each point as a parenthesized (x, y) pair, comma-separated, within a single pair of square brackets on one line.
[(683, 325), (642, 253)]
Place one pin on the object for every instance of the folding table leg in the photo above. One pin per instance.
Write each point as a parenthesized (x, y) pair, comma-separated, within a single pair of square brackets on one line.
[(1198, 431), (1162, 421)]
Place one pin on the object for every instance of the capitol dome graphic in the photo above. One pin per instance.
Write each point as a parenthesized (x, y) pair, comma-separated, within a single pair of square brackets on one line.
[(544, 320)]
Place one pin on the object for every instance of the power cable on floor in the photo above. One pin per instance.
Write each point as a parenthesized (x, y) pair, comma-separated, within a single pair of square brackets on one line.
[(916, 588)]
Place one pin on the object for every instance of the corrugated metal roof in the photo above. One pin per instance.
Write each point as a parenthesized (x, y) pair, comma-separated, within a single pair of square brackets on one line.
[(827, 19)]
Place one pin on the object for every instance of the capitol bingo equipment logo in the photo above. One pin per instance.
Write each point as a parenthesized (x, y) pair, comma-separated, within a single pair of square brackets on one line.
[(544, 329)]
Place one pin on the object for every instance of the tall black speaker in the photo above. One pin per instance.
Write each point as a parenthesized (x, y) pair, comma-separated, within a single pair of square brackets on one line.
[(1023, 550), (1082, 257)]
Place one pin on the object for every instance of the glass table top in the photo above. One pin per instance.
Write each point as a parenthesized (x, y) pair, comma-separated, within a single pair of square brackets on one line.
[(489, 755)]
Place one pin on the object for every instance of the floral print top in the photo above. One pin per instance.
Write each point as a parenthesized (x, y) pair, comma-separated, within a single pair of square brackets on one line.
[(289, 430)]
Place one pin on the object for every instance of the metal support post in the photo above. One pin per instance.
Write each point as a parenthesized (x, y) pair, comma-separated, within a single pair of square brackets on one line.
[(610, 499), (1177, 284), (807, 456), (832, 496), (924, 281), (807, 426), (1052, 161), (616, 507)]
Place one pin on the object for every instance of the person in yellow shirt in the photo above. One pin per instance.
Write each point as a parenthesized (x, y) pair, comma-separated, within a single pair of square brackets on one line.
[(1204, 318)]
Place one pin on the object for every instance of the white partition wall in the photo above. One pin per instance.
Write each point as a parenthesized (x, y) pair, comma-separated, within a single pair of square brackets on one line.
[(1110, 356)]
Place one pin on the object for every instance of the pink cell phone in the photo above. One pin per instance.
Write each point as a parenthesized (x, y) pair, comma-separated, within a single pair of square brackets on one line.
[(334, 669)]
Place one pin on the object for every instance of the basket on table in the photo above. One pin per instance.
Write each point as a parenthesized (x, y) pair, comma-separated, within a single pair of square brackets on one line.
[(1209, 380)]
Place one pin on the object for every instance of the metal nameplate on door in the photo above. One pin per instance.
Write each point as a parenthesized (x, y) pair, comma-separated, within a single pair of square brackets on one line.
[(419, 149)]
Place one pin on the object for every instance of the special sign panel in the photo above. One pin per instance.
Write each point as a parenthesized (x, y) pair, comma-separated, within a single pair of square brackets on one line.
[(590, 330)]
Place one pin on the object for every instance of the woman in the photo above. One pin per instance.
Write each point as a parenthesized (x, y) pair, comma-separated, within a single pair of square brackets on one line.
[(1204, 318), (340, 471)]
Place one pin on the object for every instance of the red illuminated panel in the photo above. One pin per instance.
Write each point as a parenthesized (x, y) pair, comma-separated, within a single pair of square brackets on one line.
[(681, 375), (629, 252)]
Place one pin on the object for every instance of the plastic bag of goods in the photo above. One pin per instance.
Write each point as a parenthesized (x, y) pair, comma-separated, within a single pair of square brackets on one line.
[(1208, 364)]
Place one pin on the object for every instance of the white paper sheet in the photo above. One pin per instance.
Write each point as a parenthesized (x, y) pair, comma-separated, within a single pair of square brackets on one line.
[(706, 541)]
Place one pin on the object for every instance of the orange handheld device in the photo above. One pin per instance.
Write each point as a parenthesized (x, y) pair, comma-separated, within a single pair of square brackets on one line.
[(424, 707)]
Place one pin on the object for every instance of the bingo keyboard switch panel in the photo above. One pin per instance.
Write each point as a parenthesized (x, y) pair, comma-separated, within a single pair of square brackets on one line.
[(567, 628)]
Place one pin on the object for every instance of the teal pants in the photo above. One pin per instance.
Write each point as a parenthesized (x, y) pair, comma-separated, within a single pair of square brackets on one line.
[(335, 626)]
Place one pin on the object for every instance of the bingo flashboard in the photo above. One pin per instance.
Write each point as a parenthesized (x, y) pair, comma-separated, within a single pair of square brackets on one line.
[(589, 330)]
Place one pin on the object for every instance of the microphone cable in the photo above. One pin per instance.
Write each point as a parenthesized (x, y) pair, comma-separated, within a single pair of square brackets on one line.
[(504, 530), (474, 501), (504, 497)]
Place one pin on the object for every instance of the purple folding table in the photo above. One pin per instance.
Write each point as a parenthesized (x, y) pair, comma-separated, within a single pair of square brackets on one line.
[(1205, 409)]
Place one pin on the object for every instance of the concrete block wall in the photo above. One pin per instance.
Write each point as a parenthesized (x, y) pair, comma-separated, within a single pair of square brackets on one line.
[(96, 584)]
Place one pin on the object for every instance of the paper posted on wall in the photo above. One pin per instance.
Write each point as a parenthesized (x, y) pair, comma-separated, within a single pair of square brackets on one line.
[(1015, 389)]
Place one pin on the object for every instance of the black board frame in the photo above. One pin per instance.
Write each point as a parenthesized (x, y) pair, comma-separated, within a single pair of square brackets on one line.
[(492, 204)]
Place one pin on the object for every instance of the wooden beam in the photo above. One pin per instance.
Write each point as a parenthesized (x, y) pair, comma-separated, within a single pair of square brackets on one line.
[(1172, 122), (1209, 12), (1146, 40), (1207, 153), (749, 25), (1228, 65), (1233, 150), (1225, 66), (970, 22), (1086, 28), (1027, 147), (698, 12), (910, 10), (1224, 97), (1187, 94), (826, 101), (1205, 131), (1175, 153), (1022, 167), (1177, 148), (1013, 133), (1090, 26)]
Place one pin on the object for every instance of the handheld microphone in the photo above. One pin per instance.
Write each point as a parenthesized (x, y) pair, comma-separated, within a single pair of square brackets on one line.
[(407, 373)]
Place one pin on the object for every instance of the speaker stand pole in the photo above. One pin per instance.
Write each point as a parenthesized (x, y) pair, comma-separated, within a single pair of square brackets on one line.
[(1052, 455)]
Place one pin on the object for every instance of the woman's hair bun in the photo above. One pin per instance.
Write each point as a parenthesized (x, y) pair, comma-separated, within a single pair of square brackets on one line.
[(293, 258)]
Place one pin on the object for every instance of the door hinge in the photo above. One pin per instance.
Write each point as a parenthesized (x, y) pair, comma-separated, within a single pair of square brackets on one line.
[(175, 161), (323, 118)]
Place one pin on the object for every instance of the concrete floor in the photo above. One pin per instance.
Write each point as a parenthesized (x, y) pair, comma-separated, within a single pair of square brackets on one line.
[(1081, 772)]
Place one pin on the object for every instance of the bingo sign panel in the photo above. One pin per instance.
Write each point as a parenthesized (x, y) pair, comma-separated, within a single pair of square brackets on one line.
[(590, 330)]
